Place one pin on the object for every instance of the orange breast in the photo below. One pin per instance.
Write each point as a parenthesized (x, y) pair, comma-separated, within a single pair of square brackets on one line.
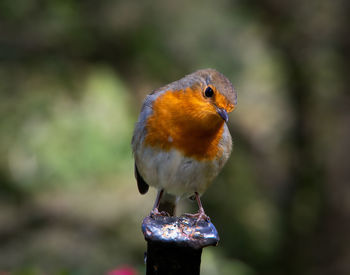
[(185, 121)]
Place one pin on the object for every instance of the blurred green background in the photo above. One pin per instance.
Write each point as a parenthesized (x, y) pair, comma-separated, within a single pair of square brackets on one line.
[(73, 75)]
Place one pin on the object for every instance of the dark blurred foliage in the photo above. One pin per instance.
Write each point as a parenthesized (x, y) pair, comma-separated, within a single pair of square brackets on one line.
[(73, 75)]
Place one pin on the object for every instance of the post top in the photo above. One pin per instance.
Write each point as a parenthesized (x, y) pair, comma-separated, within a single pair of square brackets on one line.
[(180, 231)]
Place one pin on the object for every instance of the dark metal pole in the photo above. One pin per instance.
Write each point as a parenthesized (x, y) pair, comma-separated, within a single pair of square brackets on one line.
[(174, 244)]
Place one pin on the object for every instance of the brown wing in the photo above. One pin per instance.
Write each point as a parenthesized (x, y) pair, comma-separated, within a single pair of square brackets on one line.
[(141, 184)]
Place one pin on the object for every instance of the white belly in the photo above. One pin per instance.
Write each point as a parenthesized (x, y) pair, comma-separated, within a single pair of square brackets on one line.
[(178, 175)]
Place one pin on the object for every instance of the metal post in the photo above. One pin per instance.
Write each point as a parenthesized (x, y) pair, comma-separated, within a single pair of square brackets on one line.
[(174, 244)]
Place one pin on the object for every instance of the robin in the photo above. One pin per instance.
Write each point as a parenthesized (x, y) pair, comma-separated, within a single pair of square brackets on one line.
[(181, 140)]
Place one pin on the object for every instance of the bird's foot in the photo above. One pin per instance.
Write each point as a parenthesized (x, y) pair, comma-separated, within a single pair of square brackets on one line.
[(200, 216), (156, 212)]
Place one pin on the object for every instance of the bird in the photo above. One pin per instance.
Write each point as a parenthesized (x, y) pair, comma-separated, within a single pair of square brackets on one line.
[(181, 140)]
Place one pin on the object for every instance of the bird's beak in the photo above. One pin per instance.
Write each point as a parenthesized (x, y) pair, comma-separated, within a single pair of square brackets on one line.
[(222, 113)]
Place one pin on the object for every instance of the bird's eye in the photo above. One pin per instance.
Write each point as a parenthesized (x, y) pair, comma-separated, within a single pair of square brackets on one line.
[(209, 92)]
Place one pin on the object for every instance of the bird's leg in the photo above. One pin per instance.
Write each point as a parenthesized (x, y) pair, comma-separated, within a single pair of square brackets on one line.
[(201, 214), (155, 210)]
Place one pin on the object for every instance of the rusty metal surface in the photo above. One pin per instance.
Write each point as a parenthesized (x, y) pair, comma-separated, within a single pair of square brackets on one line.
[(180, 231)]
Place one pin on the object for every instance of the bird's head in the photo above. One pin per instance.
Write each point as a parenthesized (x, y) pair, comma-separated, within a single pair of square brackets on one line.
[(205, 96), (189, 114)]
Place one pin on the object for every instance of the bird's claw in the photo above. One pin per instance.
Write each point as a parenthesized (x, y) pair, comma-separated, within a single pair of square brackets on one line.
[(200, 216), (156, 212)]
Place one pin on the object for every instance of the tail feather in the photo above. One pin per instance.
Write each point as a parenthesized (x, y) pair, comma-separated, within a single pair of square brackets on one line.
[(141, 184)]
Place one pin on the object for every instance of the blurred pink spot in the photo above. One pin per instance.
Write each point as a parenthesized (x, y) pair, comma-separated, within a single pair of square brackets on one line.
[(125, 270)]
